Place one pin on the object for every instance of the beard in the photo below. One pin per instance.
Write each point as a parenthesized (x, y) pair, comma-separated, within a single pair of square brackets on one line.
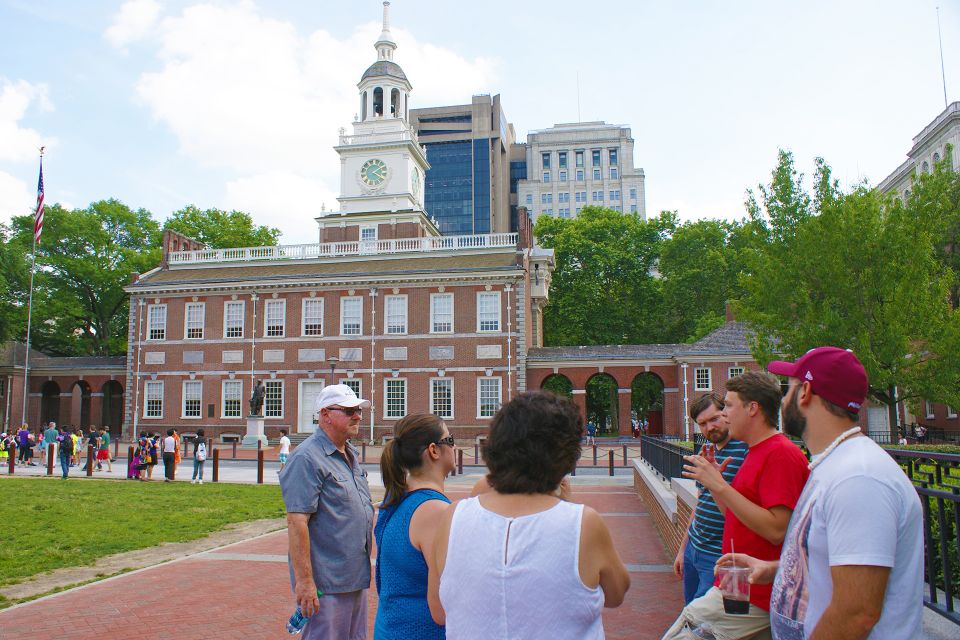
[(794, 423), (716, 436)]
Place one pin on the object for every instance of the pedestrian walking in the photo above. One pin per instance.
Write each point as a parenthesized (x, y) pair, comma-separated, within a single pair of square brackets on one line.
[(284, 448), (199, 457), (169, 457), (65, 445), (103, 451)]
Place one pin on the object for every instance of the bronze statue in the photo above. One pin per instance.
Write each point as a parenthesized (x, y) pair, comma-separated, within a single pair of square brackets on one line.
[(256, 400)]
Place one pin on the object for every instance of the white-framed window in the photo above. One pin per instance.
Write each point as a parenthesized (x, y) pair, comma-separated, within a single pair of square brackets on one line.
[(562, 159), (488, 311), (193, 318), (929, 410), (581, 196), (394, 398), (273, 399), (633, 194), (368, 233), (597, 196), (617, 207), (579, 158), (488, 396), (546, 176), (596, 174), (614, 173), (563, 175), (529, 198), (633, 208), (156, 322), (312, 317), (701, 379), (441, 313), (275, 318), (231, 398), (353, 383), (233, 314), (595, 157), (351, 315), (396, 314), (545, 159), (613, 157), (615, 195), (563, 196), (733, 372), (192, 393), (579, 175), (441, 397), (153, 399), (951, 412)]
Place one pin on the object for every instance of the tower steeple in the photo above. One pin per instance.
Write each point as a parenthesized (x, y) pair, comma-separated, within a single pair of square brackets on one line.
[(385, 45)]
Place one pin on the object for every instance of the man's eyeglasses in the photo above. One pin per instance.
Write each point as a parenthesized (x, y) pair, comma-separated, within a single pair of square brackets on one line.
[(347, 411), (449, 441)]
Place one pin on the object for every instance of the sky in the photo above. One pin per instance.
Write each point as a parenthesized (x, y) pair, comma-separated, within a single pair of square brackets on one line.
[(236, 104)]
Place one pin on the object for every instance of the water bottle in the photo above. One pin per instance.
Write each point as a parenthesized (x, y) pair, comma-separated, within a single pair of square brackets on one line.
[(704, 631), (298, 621)]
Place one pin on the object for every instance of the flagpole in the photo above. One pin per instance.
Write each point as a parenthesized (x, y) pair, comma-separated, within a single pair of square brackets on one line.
[(33, 269)]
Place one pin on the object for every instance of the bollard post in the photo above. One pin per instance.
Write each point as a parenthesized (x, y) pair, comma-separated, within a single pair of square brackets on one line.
[(363, 451), (116, 450), (91, 454), (259, 466), (624, 455), (50, 459), (594, 455), (259, 445), (216, 465), (476, 454), (12, 461), (460, 460), (130, 462), (610, 458), (234, 449)]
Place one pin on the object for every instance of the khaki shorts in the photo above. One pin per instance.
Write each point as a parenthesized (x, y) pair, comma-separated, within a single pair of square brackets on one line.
[(708, 609), (342, 616)]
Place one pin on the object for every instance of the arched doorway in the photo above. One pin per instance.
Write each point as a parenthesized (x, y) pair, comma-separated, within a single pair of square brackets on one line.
[(646, 401), (602, 405), (49, 402), (111, 409), (80, 404), (559, 384)]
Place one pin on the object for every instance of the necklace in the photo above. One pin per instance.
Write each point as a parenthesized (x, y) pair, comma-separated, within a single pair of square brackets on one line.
[(816, 460)]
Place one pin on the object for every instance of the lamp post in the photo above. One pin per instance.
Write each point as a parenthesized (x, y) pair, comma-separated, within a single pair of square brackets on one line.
[(686, 410), (332, 361)]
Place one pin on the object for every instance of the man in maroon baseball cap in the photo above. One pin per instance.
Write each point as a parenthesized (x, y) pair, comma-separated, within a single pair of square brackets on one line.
[(856, 533)]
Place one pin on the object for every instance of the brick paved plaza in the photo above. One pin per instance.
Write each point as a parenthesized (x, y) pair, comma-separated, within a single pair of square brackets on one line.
[(242, 590)]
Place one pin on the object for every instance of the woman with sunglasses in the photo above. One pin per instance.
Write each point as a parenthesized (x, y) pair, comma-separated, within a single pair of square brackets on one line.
[(414, 464)]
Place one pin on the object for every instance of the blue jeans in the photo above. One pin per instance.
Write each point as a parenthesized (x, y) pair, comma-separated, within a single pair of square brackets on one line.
[(697, 573), (64, 464), (197, 468)]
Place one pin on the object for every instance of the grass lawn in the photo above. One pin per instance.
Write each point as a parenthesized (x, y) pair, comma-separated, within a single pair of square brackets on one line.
[(48, 524)]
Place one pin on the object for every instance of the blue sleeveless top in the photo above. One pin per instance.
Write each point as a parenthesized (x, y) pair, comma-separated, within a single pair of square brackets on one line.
[(401, 573)]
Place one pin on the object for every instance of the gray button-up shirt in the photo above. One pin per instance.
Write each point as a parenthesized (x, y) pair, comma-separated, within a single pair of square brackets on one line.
[(320, 480)]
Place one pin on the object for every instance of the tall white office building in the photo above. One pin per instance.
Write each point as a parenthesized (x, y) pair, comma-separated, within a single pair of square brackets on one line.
[(570, 166)]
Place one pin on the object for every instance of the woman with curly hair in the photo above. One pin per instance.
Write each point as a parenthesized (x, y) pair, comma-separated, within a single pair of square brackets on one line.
[(517, 561)]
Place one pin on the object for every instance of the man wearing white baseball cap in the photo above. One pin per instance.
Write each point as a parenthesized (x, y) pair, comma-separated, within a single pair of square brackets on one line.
[(852, 560), (329, 511)]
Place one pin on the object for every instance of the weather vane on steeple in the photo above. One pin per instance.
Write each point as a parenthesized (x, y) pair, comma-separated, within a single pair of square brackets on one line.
[(385, 44)]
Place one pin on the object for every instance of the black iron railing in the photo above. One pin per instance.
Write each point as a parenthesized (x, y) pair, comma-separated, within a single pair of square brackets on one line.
[(937, 479), (665, 457)]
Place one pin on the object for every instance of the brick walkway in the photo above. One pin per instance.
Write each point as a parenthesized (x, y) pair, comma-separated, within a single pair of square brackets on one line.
[(242, 591)]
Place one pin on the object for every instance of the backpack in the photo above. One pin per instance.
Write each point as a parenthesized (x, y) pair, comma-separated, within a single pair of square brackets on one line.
[(201, 452), (66, 445)]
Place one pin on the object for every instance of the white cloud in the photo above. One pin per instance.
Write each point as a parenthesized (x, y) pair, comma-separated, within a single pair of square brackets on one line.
[(135, 20), (253, 95), (16, 199), (20, 144), (283, 200)]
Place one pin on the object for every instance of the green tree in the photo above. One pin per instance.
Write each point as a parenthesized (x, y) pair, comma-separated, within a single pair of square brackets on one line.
[(221, 229), (602, 290), (84, 259), (14, 275), (854, 270), (699, 266)]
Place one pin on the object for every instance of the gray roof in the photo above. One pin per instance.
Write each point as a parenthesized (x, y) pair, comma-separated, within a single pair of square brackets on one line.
[(12, 355), (384, 68), (731, 338)]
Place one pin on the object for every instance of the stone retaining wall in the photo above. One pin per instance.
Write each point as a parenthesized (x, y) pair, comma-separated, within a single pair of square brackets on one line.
[(670, 504)]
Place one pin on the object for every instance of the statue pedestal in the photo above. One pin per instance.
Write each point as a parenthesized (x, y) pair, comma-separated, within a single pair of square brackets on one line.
[(254, 435)]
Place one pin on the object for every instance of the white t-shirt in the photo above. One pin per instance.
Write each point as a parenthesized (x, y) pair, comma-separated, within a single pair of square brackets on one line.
[(169, 445), (284, 444), (857, 508)]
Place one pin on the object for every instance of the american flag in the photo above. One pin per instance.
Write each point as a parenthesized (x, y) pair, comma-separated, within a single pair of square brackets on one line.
[(38, 218)]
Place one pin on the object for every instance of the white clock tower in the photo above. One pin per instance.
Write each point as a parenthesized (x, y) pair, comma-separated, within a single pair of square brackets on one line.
[(382, 165)]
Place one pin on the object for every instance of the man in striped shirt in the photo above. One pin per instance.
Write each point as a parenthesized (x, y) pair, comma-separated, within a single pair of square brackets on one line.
[(702, 541)]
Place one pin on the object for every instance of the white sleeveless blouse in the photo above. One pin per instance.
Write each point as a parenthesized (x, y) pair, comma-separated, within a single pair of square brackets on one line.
[(518, 578)]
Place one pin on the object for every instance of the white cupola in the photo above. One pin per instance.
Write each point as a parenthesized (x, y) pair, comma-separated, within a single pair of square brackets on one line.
[(384, 88)]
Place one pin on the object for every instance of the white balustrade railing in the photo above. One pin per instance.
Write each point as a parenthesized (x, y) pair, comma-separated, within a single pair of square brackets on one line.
[(350, 248)]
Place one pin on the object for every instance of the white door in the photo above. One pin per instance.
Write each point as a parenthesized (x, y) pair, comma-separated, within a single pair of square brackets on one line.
[(309, 390), (878, 419)]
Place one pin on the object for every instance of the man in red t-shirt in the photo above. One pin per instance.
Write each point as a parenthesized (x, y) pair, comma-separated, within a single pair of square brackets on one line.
[(757, 505)]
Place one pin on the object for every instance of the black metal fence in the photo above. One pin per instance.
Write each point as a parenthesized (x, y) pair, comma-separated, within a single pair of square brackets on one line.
[(664, 456)]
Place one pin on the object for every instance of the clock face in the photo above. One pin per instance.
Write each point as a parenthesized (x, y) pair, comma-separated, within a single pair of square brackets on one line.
[(415, 181), (373, 173)]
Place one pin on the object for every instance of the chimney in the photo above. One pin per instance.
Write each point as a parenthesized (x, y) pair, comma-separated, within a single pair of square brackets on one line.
[(173, 242), (524, 228)]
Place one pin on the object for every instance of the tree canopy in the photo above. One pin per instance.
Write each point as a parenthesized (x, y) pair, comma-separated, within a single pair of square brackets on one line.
[(221, 229)]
